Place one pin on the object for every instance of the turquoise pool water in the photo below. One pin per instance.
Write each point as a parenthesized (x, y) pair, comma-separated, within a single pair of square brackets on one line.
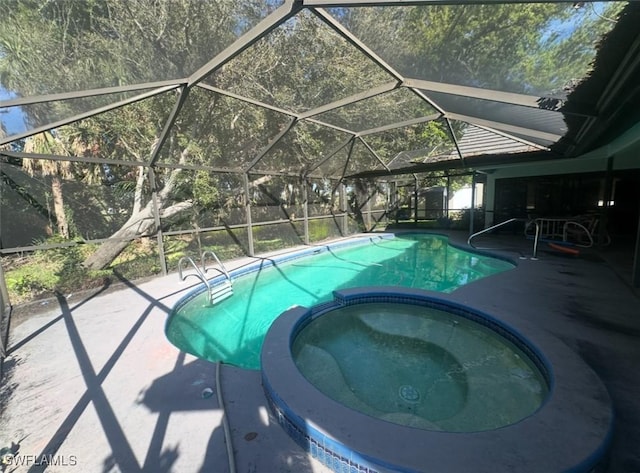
[(233, 330), (419, 366)]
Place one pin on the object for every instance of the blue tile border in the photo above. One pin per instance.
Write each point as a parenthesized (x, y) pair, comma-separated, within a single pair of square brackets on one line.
[(332, 454)]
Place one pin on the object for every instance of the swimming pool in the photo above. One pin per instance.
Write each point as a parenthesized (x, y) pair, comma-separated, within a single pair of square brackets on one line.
[(233, 330)]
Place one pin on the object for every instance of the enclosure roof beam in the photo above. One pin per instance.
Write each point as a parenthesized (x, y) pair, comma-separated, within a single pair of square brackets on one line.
[(381, 89), (330, 155), (184, 93), (422, 96), (199, 167), (193, 167), (395, 3), (329, 125), (523, 100), (372, 151), (455, 140), (116, 162), (348, 35), (488, 160), (272, 143), (81, 94), (347, 161), (283, 13), (506, 127), (320, 176), (247, 100), (75, 159), (276, 173), (393, 126), (82, 116)]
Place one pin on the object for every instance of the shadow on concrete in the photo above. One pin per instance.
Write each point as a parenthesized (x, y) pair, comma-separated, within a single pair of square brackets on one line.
[(259, 443), (189, 387), (9, 384), (122, 453), (51, 323)]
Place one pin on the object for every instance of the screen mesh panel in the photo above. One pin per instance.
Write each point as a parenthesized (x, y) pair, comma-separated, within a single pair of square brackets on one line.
[(24, 118), (537, 49), (302, 148), (217, 131), (395, 106), (126, 134), (299, 66), (88, 45)]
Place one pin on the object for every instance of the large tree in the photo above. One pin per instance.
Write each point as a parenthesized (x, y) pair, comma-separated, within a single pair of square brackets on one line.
[(525, 48), (61, 45), (46, 143), (56, 46)]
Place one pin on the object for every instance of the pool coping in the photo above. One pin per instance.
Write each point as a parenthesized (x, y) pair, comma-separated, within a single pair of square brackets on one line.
[(576, 418)]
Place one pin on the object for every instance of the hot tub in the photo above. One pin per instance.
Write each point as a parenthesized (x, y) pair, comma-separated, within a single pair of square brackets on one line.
[(388, 379)]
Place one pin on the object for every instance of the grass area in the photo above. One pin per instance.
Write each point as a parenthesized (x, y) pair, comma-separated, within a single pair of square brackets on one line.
[(42, 273)]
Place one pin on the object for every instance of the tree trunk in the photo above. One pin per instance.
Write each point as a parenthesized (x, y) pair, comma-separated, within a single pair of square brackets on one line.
[(58, 207), (139, 224), (142, 221)]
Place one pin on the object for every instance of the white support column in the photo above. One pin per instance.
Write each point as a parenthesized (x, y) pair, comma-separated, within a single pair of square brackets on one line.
[(473, 202)]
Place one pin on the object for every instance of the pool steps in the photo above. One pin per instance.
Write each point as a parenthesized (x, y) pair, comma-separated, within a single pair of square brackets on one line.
[(218, 292)]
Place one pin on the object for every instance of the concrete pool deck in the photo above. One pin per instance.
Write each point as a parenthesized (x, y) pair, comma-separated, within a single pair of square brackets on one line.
[(92, 385)]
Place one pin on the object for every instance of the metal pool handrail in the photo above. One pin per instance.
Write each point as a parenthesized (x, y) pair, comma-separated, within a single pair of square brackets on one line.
[(203, 262), (216, 293), (493, 227)]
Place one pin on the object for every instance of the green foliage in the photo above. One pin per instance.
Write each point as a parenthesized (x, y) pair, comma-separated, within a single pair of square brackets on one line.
[(432, 138), (84, 45), (52, 46), (205, 189), (143, 266), (320, 230), (521, 48), (29, 282), (46, 272), (275, 237), (302, 51), (562, 60)]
